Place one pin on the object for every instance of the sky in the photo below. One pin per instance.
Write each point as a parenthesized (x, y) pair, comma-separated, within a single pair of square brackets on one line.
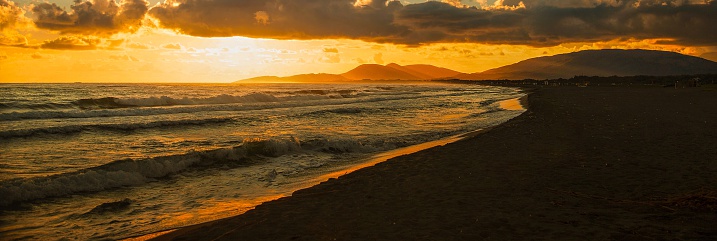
[(228, 40)]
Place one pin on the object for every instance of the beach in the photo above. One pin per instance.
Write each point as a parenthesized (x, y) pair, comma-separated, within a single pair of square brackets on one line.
[(595, 163)]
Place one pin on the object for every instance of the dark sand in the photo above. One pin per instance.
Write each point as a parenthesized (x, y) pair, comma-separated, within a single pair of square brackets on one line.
[(597, 163)]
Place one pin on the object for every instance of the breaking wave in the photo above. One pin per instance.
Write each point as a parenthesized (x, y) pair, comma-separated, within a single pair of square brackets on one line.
[(71, 129), (151, 105), (131, 172)]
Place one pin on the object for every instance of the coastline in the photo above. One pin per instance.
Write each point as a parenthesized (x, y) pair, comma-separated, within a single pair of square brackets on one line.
[(619, 163), (512, 104)]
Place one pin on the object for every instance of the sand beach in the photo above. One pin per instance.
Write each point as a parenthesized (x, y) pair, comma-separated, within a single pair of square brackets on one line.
[(595, 163)]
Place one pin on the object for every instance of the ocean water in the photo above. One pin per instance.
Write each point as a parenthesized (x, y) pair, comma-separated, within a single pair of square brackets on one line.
[(109, 161)]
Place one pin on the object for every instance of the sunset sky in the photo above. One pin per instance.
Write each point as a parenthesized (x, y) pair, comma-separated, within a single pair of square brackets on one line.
[(228, 40)]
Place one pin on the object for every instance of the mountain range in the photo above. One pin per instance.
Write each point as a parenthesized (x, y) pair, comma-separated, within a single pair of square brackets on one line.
[(607, 62)]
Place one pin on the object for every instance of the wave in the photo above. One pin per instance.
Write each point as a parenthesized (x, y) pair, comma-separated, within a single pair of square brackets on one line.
[(112, 102), (220, 99), (101, 103), (71, 129), (149, 107), (10, 106), (130, 172)]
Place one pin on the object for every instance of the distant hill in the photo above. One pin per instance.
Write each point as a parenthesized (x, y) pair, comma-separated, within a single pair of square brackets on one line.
[(414, 74), (608, 62), (365, 72), (302, 78), (378, 72), (431, 71)]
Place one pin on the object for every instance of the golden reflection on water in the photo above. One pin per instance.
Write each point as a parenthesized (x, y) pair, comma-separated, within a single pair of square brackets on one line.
[(453, 116), (388, 155), (241, 206), (511, 104), (216, 207)]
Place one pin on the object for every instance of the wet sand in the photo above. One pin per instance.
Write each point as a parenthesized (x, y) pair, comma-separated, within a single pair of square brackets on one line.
[(596, 163)]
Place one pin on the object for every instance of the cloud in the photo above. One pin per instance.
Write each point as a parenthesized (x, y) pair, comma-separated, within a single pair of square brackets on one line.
[(95, 17), (72, 43), (36, 56), (331, 59), (688, 24), (261, 17), (176, 46), (123, 57), (331, 50), (113, 43), (378, 58), (11, 15), (455, 3), (524, 22), (136, 45), (12, 18), (280, 19), (331, 55), (12, 38)]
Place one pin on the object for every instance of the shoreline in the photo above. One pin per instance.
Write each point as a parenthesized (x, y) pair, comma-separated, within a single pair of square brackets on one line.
[(618, 163), (367, 162)]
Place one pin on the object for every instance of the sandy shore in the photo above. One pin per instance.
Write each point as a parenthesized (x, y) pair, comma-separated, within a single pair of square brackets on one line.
[(597, 163)]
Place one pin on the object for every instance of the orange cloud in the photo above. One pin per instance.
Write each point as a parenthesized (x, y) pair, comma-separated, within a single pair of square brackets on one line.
[(95, 17), (10, 15), (135, 45), (331, 50), (72, 43), (12, 18), (172, 46)]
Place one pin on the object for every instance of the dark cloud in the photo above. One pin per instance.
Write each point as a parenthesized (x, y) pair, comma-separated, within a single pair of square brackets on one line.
[(331, 50), (439, 22), (95, 17), (72, 43), (688, 24), (280, 19), (538, 23)]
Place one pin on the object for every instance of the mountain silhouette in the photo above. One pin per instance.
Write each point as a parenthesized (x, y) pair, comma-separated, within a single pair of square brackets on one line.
[(301, 78), (379, 72), (607, 62), (390, 71)]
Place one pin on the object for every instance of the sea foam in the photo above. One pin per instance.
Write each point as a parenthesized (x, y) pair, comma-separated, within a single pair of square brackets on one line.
[(130, 172)]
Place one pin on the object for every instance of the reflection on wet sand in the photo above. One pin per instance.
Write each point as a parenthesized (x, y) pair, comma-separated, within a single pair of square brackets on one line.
[(511, 104)]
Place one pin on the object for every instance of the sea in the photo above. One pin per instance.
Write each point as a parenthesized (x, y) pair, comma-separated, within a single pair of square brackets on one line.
[(86, 161)]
